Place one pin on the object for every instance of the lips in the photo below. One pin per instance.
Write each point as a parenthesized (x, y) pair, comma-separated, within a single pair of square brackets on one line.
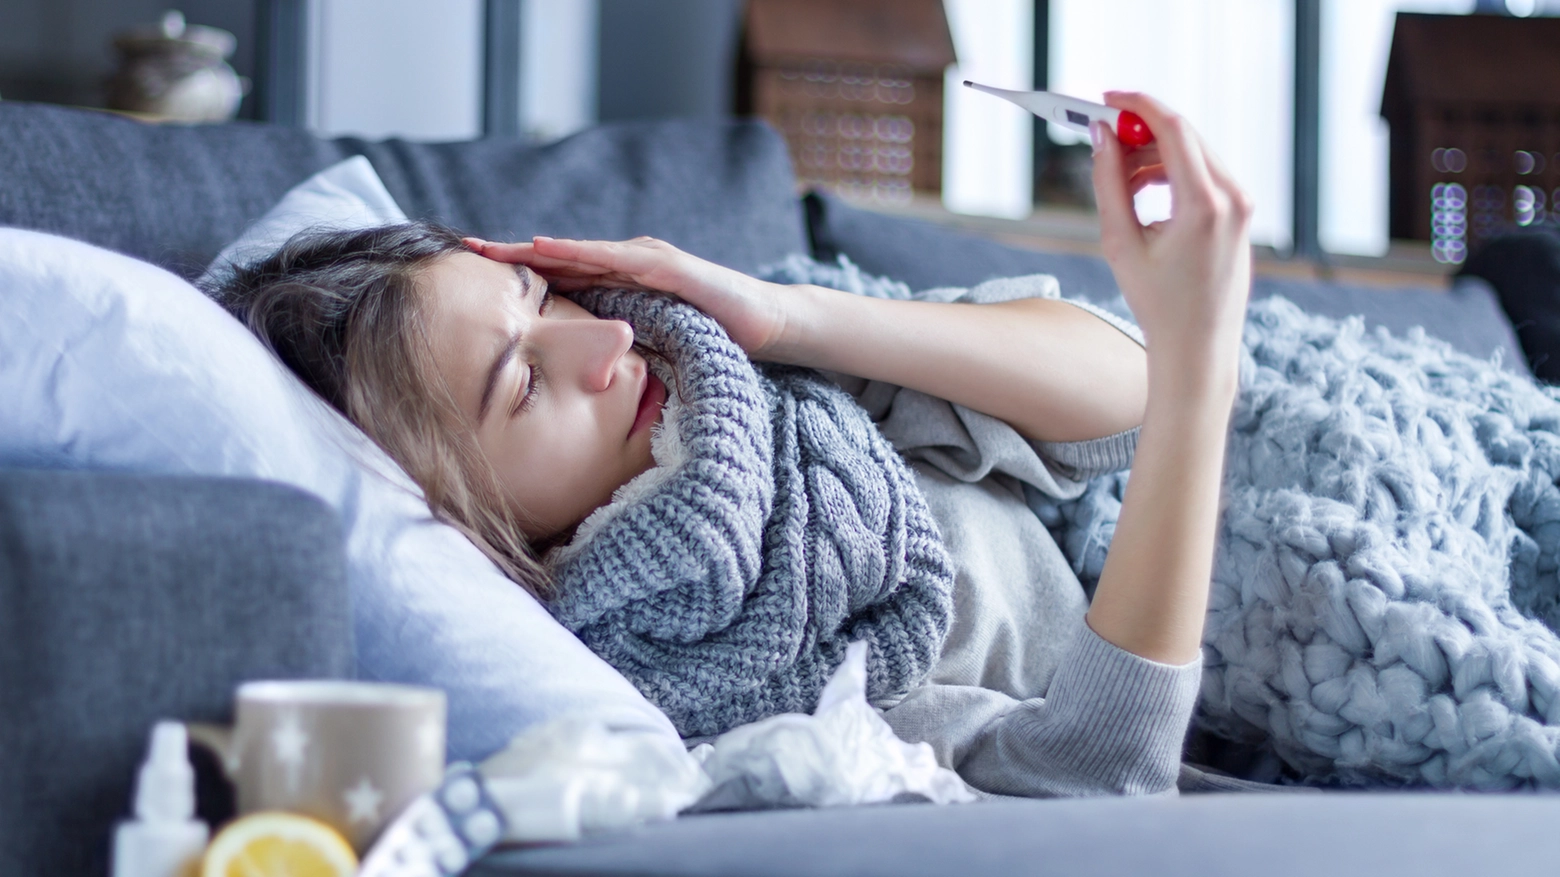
[(650, 402)]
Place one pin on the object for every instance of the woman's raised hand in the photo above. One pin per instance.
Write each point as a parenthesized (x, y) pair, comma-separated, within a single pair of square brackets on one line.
[(750, 310), (1186, 278)]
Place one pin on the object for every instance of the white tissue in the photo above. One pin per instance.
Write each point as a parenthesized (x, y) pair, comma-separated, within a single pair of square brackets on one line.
[(842, 754), (576, 777)]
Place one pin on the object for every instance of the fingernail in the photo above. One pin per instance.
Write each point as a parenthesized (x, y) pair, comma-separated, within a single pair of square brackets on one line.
[(1097, 136), (540, 237)]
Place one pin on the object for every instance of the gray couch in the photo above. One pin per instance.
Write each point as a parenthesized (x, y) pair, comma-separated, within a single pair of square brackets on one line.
[(128, 597)]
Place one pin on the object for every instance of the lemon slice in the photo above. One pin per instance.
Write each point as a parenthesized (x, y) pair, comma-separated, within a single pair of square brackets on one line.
[(276, 844)]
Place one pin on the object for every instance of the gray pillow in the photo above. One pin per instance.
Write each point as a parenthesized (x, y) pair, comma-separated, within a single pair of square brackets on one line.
[(176, 194), (924, 255)]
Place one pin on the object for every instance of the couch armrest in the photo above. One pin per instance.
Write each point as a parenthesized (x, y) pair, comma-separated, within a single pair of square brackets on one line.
[(129, 598)]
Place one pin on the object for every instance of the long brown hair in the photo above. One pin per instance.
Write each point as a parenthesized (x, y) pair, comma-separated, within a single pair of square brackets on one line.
[(344, 311)]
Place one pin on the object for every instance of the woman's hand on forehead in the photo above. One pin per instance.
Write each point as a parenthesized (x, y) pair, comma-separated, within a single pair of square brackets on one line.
[(750, 310)]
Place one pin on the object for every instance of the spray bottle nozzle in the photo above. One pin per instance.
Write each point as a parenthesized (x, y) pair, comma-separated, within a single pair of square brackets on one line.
[(165, 789)]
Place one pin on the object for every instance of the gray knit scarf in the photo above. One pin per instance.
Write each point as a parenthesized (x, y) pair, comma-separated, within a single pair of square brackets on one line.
[(778, 526)]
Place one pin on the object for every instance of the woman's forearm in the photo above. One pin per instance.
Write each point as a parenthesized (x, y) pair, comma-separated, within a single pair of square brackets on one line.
[(1054, 371), (1153, 592)]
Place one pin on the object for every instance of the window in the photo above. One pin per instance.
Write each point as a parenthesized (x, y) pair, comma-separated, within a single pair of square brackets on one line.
[(987, 147), (1356, 35), (1227, 65)]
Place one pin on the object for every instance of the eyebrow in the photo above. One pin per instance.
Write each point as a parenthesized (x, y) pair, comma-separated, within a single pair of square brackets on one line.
[(507, 353)]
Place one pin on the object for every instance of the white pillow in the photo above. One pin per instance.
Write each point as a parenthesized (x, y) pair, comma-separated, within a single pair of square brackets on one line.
[(346, 195), (107, 362)]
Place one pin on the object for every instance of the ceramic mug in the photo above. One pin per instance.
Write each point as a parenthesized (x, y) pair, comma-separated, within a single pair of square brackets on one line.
[(351, 754)]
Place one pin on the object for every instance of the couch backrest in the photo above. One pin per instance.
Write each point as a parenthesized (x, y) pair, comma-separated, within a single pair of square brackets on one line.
[(1468, 316), (125, 599), (175, 194)]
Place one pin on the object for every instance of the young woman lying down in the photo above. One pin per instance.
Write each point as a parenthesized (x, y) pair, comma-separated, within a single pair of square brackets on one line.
[(719, 482)]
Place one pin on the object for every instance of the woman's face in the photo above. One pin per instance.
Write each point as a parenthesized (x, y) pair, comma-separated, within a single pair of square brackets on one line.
[(561, 403)]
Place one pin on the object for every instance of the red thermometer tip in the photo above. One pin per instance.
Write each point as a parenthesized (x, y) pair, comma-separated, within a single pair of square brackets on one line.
[(1132, 130)]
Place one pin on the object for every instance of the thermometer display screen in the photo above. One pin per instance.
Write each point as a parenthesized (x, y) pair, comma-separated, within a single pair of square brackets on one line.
[(1077, 118)]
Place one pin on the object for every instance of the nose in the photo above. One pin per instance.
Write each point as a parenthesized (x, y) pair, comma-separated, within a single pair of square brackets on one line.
[(587, 350)]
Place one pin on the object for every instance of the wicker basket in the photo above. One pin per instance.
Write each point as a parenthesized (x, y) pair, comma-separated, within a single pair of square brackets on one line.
[(1474, 105), (855, 87)]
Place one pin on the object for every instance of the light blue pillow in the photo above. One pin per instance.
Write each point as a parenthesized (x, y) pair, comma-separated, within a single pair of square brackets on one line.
[(107, 362)]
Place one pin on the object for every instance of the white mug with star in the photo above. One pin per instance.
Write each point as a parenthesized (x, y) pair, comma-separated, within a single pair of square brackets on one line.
[(351, 754)]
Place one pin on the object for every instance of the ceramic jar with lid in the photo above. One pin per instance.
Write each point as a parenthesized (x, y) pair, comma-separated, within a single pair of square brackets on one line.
[(177, 71)]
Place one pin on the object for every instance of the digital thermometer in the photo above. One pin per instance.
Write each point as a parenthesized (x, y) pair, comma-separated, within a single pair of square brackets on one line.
[(1076, 114)]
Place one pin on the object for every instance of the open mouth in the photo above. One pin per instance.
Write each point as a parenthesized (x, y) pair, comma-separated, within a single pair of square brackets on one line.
[(650, 402)]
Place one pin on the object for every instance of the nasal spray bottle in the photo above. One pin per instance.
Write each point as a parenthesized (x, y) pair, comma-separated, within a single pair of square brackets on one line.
[(164, 839)]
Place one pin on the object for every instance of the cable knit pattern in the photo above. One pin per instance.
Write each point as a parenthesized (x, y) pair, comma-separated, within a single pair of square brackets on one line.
[(728, 592), (1385, 586)]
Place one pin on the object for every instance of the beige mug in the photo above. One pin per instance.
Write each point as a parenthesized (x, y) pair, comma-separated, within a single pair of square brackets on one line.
[(351, 754)]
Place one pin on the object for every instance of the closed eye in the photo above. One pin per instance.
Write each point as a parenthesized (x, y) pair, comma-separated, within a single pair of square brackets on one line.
[(528, 282), (528, 399)]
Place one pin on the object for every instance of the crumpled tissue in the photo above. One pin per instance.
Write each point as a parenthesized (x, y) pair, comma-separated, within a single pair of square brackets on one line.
[(570, 778), (842, 754)]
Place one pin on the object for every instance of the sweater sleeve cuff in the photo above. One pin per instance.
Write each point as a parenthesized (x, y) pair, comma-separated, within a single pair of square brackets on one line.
[(1111, 688), (1126, 715), (1111, 723), (1081, 461)]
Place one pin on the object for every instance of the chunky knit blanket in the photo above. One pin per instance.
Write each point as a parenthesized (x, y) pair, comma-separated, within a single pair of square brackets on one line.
[(777, 527), (1385, 597), (1386, 583)]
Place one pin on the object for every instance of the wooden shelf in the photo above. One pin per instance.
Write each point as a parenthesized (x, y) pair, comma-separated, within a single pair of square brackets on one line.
[(1071, 230)]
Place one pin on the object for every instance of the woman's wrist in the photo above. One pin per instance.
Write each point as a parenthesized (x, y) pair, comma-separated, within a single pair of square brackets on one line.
[(798, 336), (1192, 391), (1195, 373)]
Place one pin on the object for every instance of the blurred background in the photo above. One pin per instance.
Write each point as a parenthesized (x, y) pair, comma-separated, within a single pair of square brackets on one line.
[(1289, 92)]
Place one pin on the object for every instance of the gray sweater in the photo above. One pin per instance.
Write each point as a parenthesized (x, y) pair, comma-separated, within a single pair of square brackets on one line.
[(1026, 699)]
